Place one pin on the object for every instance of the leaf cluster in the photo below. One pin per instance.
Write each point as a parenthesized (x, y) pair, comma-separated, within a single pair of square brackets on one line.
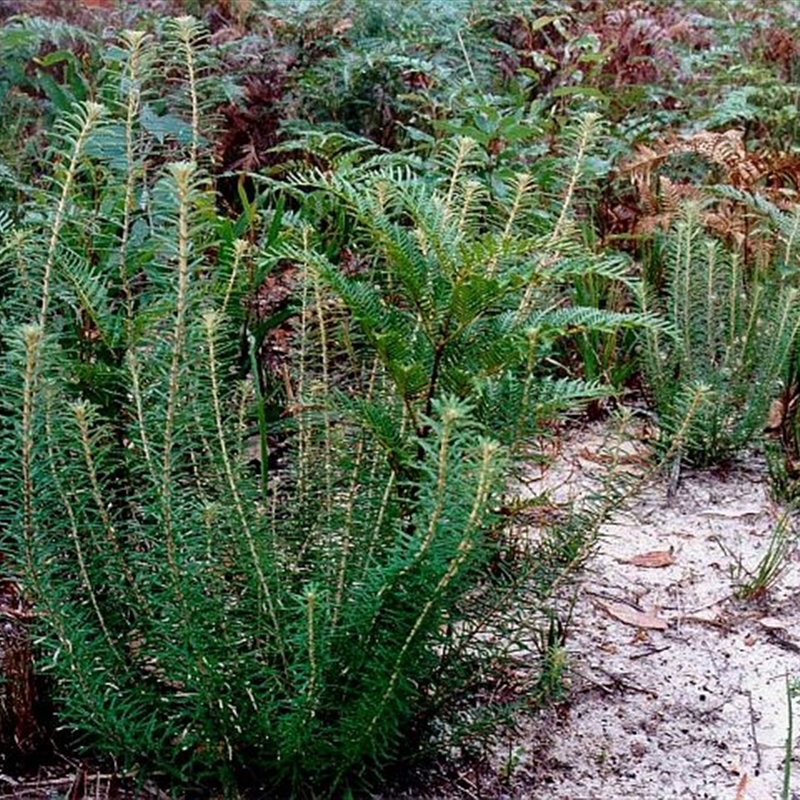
[(209, 611), (714, 379)]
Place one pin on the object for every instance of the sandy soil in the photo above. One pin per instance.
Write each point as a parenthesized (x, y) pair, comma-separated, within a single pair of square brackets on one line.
[(677, 686)]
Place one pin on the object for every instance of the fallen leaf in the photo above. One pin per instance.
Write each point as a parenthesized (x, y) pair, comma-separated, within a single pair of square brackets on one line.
[(630, 616), (742, 787), (774, 624), (651, 560)]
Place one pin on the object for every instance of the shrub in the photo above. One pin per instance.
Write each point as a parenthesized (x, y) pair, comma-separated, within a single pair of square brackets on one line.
[(714, 379), (293, 623)]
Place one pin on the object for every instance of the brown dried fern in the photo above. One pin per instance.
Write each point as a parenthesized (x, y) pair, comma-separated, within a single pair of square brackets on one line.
[(773, 175)]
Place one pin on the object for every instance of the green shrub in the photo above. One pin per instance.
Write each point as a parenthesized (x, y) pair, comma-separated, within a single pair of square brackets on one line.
[(714, 378), (295, 626)]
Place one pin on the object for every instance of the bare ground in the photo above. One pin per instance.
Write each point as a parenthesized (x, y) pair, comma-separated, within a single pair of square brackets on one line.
[(678, 686)]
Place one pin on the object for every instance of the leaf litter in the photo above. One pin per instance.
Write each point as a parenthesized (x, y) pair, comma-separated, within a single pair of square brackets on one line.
[(676, 686)]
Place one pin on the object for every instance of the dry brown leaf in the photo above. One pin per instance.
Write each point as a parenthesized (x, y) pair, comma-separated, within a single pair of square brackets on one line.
[(630, 616), (776, 416), (742, 787), (652, 559)]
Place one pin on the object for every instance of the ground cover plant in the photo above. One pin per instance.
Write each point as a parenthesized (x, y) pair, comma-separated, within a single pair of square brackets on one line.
[(277, 331), (286, 625)]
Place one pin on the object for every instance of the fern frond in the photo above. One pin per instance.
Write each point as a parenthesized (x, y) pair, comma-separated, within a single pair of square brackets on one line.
[(88, 295), (572, 319), (27, 34), (785, 221), (583, 137), (74, 131)]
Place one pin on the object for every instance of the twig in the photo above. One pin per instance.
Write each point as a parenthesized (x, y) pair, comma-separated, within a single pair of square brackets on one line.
[(614, 599), (469, 791), (619, 683), (674, 479), (70, 779), (753, 730), (651, 652)]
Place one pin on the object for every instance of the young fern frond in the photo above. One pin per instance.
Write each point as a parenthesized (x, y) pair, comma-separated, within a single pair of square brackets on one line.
[(88, 295), (459, 274), (458, 158), (522, 194), (75, 132), (578, 318), (584, 138)]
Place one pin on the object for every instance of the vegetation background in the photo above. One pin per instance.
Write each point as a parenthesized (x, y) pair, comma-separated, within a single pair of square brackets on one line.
[(292, 295)]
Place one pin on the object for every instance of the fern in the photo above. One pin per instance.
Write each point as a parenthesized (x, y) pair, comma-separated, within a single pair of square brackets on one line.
[(784, 221), (302, 624), (732, 336)]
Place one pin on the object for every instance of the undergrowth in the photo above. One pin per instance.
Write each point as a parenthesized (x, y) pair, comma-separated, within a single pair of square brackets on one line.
[(282, 317), (291, 600)]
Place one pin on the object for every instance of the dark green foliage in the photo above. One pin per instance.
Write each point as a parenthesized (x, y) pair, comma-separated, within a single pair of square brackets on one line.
[(715, 376), (296, 626), (255, 472), (458, 292)]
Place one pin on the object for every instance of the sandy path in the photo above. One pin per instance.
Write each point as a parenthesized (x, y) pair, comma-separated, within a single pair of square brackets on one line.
[(698, 709)]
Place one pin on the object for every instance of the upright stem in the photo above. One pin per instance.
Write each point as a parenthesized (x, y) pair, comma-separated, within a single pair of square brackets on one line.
[(211, 321), (32, 339), (466, 545), (186, 33), (92, 113), (80, 411), (135, 42), (182, 174)]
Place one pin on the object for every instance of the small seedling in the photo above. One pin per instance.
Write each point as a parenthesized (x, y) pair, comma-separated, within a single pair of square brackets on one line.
[(553, 658), (754, 584)]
